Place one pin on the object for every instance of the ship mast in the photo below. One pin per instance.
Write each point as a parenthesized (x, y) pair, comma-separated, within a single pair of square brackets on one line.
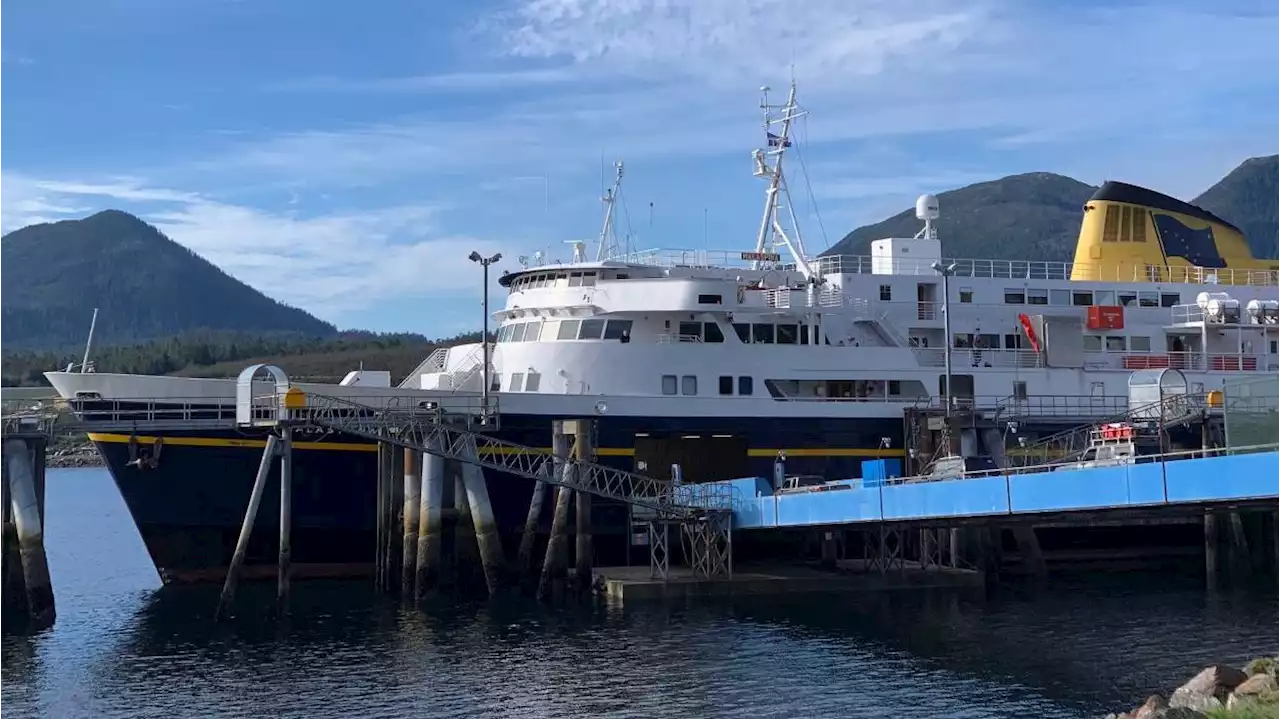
[(607, 248), (768, 164)]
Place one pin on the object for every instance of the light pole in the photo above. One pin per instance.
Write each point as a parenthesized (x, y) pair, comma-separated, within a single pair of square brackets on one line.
[(484, 337), (946, 273)]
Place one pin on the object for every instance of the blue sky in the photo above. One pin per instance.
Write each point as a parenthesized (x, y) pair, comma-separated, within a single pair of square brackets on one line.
[(347, 160)]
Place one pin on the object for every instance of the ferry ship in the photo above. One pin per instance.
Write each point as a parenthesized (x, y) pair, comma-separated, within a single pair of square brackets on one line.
[(724, 361)]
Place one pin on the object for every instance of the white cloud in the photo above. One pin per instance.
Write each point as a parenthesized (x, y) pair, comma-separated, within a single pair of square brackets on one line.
[(330, 264)]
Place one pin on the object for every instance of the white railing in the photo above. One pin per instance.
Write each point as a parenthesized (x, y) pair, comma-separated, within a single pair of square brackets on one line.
[(778, 298), (433, 363), (668, 338), (964, 359), (1036, 270)]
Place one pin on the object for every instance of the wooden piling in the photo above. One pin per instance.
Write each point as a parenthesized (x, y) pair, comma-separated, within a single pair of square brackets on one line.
[(246, 528), (529, 539), (556, 559), (412, 505), (488, 541), (583, 451), (29, 527), (430, 525), (284, 567), (1211, 550)]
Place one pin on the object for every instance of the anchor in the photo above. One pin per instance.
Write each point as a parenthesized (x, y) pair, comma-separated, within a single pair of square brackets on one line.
[(142, 457)]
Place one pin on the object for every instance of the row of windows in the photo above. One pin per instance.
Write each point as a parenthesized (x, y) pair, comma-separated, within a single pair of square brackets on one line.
[(555, 279), (566, 330), (1082, 298), (1116, 343), (768, 333), (688, 385)]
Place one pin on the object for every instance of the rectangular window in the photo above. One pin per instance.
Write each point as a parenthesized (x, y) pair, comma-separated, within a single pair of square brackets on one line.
[(575, 279), (591, 330), (1060, 297), (1140, 344), (1273, 347), (711, 332), (710, 299), (517, 334), (1169, 299), (616, 329), (762, 334), (1127, 298), (1020, 390), (726, 384), (668, 384), (504, 333), (1015, 297), (966, 295), (532, 381), (588, 279), (1115, 344), (1092, 343), (886, 293), (744, 386), (1148, 299), (1013, 342), (517, 382), (804, 334), (744, 331), (690, 331), (550, 330), (1037, 297), (786, 334), (895, 387), (568, 330), (1082, 298), (689, 384), (1105, 298), (988, 341)]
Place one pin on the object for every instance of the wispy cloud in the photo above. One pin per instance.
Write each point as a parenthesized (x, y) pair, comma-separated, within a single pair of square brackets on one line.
[(331, 264), (455, 81)]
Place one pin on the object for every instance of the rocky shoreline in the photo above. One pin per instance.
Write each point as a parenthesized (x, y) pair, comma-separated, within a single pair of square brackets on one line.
[(1217, 692), (80, 453)]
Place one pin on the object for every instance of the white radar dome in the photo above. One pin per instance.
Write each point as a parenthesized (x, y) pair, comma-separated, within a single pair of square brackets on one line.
[(927, 207)]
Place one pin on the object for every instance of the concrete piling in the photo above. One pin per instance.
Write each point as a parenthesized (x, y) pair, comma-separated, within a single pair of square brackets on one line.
[(1211, 550), (583, 451), (395, 518), (466, 554), (29, 530), (380, 519), (412, 505), (1029, 548), (488, 542), (284, 567), (246, 528), (528, 540), (430, 525)]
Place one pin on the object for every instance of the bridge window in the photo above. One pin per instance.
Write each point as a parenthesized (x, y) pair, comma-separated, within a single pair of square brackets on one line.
[(1060, 297), (1037, 297), (591, 330), (1127, 298), (616, 329), (1115, 343), (588, 279), (1148, 299), (710, 299), (786, 334), (744, 386), (550, 330), (517, 382), (1082, 299), (762, 334), (531, 382), (726, 384), (504, 333), (690, 331), (668, 384), (1015, 296), (1169, 299), (711, 333), (689, 384), (1140, 344), (517, 334), (744, 331), (568, 329)]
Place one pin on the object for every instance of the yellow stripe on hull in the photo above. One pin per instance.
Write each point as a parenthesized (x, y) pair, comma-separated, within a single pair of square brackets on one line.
[(363, 447)]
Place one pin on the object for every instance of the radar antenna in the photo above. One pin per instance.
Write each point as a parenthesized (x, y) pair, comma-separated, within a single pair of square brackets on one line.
[(607, 248), (772, 232), (927, 210)]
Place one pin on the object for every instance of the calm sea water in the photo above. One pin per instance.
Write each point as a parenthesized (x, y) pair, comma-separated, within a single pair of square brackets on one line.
[(123, 649)]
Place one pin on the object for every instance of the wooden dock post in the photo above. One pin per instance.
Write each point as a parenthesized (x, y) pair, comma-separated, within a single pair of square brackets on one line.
[(284, 566), (488, 540), (412, 503), (430, 524), (29, 528), (251, 514), (556, 559), (529, 539), (583, 451)]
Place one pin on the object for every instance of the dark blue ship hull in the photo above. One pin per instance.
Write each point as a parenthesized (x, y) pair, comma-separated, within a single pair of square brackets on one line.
[(190, 502)]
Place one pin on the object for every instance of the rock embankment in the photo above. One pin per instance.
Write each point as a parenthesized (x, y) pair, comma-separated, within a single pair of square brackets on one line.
[(1217, 692), (78, 454)]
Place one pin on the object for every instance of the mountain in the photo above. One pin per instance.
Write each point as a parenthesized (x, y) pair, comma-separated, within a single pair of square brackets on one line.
[(1246, 198), (145, 285), (1035, 216)]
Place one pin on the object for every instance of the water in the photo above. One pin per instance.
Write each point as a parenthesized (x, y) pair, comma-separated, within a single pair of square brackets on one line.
[(120, 648)]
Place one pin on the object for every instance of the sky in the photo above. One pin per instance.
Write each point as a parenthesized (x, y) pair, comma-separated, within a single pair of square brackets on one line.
[(346, 158)]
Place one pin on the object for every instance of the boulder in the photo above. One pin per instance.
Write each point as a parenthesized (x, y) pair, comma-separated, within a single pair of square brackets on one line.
[(1252, 690), (1209, 689), (1153, 707)]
